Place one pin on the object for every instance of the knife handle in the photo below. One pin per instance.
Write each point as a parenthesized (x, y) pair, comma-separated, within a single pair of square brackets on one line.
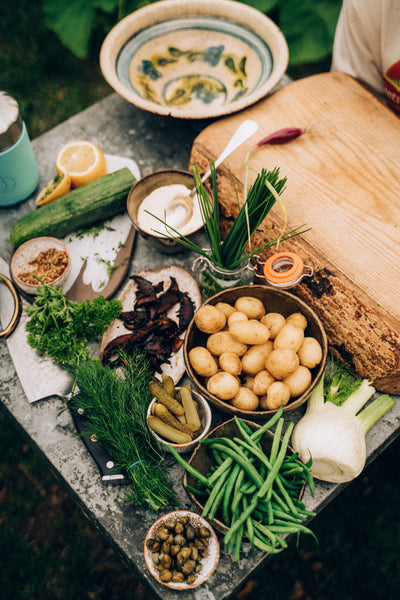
[(105, 463)]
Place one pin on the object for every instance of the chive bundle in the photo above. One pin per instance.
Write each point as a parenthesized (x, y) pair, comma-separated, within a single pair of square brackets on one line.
[(256, 496), (231, 252)]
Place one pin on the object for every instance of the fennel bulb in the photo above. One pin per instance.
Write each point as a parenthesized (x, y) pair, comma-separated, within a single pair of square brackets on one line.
[(334, 436)]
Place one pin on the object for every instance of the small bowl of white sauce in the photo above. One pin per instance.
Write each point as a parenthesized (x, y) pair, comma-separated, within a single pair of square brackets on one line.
[(154, 214)]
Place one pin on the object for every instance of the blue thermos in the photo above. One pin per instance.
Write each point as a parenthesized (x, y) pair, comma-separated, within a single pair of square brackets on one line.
[(19, 173)]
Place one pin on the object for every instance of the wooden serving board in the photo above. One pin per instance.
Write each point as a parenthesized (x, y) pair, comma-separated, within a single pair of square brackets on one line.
[(342, 180)]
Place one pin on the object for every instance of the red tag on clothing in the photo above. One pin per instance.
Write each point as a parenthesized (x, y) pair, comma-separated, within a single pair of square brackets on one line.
[(392, 86)]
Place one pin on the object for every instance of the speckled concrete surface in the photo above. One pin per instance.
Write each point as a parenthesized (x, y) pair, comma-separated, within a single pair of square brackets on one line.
[(155, 143)]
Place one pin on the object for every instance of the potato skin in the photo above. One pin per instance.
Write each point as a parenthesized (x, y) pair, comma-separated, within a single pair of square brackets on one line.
[(254, 359), (223, 385), (278, 393), (274, 321), (250, 332), (310, 352), (261, 382), (298, 320), (298, 381), (289, 336), (223, 341), (245, 399), (236, 316), (281, 362), (202, 361), (252, 307), (231, 363), (226, 308), (209, 318)]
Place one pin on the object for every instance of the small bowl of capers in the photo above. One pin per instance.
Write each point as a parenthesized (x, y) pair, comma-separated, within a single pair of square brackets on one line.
[(181, 550)]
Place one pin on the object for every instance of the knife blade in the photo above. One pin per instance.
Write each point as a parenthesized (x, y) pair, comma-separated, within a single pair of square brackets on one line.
[(42, 378)]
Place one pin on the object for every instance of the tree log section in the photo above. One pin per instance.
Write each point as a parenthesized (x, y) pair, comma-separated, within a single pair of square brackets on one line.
[(343, 182)]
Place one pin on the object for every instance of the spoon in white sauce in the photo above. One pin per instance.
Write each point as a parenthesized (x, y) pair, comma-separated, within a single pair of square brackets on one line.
[(243, 132)]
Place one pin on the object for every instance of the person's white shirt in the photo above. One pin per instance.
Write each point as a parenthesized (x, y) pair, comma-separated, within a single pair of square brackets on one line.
[(367, 45)]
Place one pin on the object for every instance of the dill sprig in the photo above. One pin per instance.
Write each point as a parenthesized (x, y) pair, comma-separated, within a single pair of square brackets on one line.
[(115, 403)]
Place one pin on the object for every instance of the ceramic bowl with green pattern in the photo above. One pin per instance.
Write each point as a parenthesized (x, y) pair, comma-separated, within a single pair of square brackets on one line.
[(195, 59)]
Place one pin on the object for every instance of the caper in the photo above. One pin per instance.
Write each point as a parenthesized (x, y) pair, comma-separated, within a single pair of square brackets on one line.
[(179, 539), (155, 558), (175, 549), (150, 543), (178, 577), (166, 561), (169, 523), (204, 532), (156, 547), (195, 553), (179, 527), (166, 548), (183, 555), (191, 579), (166, 576), (188, 567), (199, 544), (190, 532), (162, 533)]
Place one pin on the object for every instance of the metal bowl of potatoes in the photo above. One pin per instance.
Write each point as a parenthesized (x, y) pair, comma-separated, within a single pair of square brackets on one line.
[(252, 348)]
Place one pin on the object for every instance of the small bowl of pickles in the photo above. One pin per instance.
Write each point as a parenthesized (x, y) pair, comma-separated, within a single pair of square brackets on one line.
[(179, 417)]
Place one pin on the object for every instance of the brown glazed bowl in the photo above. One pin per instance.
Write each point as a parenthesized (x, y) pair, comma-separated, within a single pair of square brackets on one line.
[(274, 300), (201, 460), (143, 188)]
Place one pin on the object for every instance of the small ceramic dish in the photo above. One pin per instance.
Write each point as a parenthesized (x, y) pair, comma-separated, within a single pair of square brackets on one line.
[(208, 563), (139, 202), (195, 59), (47, 257), (275, 301), (205, 417)]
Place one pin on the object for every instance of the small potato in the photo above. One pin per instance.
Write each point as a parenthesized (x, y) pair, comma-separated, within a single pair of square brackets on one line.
[(310, 352), (226, 308), (282, 362), (231, 363), (223, 341), (254, 359), (202, 361), (250, 332), (236, 316), (298, 320), (223, 385), (278, 393), (245, 399), (289, 337), (252, 307), (261, 382), (298, 381), (209, 319), (274, 321)]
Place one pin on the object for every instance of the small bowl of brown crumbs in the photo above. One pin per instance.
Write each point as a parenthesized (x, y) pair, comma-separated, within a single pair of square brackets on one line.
[(40, 260)]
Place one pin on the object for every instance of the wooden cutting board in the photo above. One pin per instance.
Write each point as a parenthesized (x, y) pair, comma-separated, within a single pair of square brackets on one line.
[(343, 181)]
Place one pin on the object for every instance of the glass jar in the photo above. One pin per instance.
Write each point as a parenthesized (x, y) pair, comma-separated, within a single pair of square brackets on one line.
[(285, 270), (213, 279)]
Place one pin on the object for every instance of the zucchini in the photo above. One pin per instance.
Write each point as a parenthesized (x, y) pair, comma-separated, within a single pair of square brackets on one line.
[(96, 201)]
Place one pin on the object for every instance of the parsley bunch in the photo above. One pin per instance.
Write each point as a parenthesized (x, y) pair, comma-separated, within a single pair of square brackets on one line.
[(62, 328)]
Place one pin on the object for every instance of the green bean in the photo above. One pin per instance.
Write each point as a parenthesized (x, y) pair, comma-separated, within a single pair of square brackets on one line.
[(249, 524), (224, 466), (256, 435), (214, 495), (267, 485), (276, 440), (238, 542), (236, 492), (228, 491), (242, 460), (187, 466), (235, 526)]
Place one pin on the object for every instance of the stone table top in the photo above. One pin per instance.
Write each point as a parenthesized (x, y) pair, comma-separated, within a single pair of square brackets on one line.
[(154, 143)]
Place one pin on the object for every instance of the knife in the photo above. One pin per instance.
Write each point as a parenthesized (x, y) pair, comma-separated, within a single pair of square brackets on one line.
[(41, 378)]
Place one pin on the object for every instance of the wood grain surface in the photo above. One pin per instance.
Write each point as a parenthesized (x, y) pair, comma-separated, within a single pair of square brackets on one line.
[(343, 181)]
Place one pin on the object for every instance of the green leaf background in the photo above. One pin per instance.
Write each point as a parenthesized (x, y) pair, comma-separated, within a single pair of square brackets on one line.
[(308, 25)]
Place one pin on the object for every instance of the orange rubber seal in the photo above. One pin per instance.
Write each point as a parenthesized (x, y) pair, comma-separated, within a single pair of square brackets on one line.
[(286, 275)]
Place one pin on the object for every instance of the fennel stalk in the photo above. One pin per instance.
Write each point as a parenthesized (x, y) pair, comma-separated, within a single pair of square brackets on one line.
[(334, 436)]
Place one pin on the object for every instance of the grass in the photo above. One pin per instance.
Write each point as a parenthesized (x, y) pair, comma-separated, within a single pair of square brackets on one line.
[(48, 549)]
